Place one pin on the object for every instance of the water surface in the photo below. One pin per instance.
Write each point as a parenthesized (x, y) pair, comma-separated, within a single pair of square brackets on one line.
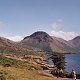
[(73, 62)]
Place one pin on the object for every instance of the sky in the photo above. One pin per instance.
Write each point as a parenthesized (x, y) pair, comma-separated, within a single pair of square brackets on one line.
[(20, 18)]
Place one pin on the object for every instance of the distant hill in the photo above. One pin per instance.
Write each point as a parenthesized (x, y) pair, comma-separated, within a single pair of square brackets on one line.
[(8, 46), (75, 43), (42, 41), (63, 46)]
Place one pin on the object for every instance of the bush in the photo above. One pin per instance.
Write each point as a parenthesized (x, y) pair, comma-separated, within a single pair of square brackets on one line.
[(7, 65), (53, 72), (58, 60), (2, 75)]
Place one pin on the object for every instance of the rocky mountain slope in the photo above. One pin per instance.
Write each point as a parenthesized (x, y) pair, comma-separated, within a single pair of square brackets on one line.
[(42, 41), (8, 46), (37, 41), (75, 43)]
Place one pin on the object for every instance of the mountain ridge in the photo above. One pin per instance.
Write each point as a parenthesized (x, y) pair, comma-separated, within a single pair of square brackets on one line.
[(9, 46), (75, 43), (44, 41), (40, 41)]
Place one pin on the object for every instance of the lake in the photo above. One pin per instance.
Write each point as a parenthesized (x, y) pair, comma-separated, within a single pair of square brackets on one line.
[(73, 62)]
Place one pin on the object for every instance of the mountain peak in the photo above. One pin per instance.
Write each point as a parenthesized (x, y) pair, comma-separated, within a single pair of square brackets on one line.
[(40, 35), (42, 41)]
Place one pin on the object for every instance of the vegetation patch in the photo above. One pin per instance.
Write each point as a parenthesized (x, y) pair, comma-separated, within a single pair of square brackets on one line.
[(12, 69)]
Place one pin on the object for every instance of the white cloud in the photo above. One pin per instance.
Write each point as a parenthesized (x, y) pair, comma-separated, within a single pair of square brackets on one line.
[(57, 24), (57, 32), (64, 35), (15, 38)]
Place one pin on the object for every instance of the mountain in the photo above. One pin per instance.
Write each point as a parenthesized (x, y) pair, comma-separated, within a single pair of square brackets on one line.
[(38, 41), (42, 41), (75, 43), (61, 40), (8, 46), (62, 46)]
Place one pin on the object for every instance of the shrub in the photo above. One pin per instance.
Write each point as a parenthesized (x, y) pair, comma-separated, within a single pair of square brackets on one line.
[(2, 75), (58, 60)]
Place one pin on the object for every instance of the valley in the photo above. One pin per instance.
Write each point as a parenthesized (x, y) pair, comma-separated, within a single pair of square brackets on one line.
[(27, 59)]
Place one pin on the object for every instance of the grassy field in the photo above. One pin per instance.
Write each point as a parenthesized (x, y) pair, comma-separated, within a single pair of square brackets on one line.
[(13, 73), (12, 69)]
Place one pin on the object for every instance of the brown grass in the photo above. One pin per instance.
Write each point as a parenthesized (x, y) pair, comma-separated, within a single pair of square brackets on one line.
[(23, 74)]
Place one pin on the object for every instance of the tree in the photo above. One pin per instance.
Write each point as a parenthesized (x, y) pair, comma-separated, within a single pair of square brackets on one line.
[(58, 60)]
